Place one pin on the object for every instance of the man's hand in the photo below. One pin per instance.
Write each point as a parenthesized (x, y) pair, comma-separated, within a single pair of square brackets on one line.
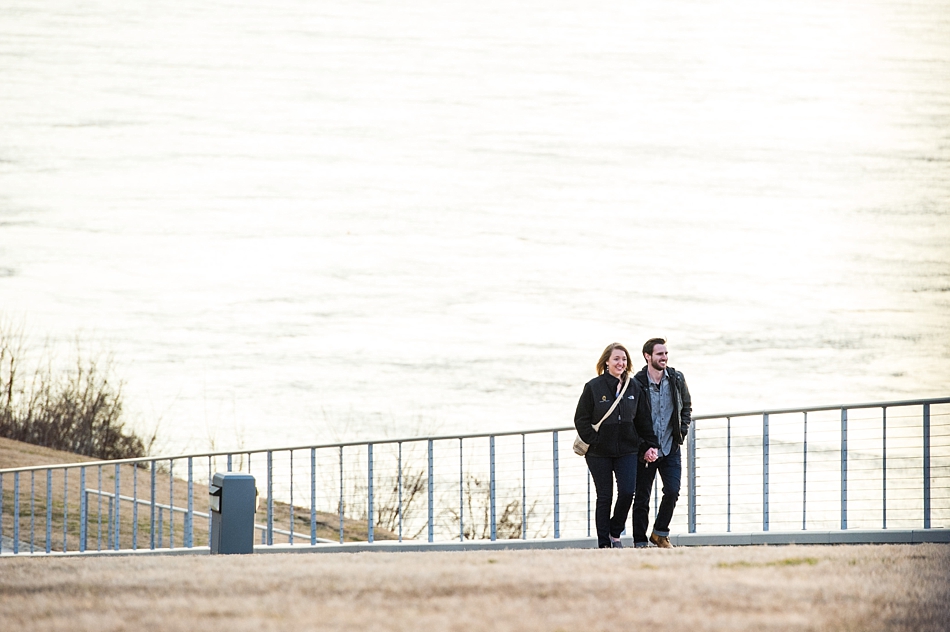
[(651, 455)]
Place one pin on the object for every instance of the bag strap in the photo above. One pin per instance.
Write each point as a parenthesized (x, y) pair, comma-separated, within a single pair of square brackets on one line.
[(596, 426)]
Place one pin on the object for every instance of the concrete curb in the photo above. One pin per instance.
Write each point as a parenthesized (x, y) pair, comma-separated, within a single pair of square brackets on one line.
[(766, 538), (851, 536)]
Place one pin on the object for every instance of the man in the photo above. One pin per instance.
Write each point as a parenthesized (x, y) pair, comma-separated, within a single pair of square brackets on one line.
[(665, 393)]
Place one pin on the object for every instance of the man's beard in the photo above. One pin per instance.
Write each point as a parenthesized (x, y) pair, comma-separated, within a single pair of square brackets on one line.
[(656, 365)]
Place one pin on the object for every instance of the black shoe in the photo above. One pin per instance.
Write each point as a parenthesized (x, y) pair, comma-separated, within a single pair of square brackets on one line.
[(615, 544)]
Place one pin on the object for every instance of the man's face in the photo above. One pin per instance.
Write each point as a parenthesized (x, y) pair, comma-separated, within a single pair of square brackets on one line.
[(658, 359)]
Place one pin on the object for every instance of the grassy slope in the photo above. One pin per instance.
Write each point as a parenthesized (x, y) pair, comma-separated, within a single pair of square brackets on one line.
[(17, 454)]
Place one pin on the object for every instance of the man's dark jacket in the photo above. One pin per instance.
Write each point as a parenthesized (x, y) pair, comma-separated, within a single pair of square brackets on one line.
[(629, 425), (682, 403)]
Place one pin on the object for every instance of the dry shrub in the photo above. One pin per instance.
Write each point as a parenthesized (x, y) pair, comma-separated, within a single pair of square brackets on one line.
[(78, 409), (508, 515)]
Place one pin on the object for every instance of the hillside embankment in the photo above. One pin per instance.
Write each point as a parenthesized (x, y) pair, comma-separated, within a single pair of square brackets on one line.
[(15, 454), (887, 587)]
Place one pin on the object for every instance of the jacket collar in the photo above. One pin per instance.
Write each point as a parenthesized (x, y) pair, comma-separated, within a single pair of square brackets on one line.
[(644, 380), (612, 381)]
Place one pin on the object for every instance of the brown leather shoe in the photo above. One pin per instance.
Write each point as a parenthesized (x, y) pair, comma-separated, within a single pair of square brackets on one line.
[(661, 541)]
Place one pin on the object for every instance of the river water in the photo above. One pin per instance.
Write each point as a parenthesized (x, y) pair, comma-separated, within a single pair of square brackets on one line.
[(296, 222)]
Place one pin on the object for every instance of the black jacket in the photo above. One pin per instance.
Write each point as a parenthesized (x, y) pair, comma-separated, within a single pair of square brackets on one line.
[(682, 403), (628, 426)]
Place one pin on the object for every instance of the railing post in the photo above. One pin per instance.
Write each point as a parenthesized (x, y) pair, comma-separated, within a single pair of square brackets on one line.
[(557, 488), (1, 513), (270, 498), (524, 491), (340, 505), (32, 510), (429, 484), (728, 474), (190, 516), (844, 469), (110, 525), (65, 507), (115, 528), (313, 496), (171, 503), (135, 506), (804, 472), (461, 495), (151, 518), (49, 509), (884, 467), (491, 484), (926, 431), (210, 479), (83, 510), (16, 513), (399, 485), (691, 481), (369, 499), (99, 509), (588, 503), (290, 538), (765, 472)]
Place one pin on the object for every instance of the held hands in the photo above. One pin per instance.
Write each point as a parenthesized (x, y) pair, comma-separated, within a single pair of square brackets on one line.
[(651, 455)]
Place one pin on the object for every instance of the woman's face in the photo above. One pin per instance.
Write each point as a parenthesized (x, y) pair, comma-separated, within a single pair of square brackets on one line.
[(617, 363)]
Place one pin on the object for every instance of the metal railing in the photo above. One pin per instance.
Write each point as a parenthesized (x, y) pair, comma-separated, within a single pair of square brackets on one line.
[(880, 465)]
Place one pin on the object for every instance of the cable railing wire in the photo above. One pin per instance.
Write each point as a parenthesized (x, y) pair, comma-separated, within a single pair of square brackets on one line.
[(880, 464)]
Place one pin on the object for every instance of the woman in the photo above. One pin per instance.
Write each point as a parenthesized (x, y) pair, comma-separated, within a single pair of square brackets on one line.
[(613, 449)]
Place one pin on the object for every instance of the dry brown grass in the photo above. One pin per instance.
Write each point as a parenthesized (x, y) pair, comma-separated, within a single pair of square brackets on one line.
[(18, 454), (888, 587)]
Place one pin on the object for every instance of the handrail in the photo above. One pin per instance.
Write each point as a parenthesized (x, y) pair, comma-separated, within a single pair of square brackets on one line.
[(464, 495), (480, 435), (815, 409), (199, 514)]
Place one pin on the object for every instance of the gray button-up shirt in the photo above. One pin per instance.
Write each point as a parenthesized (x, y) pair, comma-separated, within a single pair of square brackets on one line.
[(661, 405)]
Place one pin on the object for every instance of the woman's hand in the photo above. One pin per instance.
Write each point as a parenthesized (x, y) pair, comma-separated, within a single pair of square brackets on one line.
[(651, 455)]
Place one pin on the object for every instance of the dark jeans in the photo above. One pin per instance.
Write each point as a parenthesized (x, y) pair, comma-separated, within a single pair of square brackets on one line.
[(670, 469), (603, 470)]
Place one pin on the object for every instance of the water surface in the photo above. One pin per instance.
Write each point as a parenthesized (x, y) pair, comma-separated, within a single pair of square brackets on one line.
[(300, 221)]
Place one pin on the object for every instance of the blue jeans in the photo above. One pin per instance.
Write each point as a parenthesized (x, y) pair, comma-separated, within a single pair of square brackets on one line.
[(670, 469), (603, 470)]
